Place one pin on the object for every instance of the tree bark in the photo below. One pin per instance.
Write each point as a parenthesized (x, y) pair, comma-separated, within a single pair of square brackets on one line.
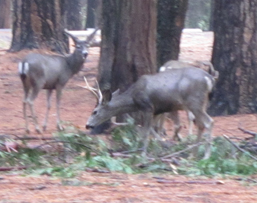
[(92, 9), (128, 42), (5, 14), (74, 18), (171, 18), (39, 24), (128, 48), (234, 56)]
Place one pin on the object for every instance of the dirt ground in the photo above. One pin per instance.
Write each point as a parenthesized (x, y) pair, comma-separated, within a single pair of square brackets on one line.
[(76, 106)]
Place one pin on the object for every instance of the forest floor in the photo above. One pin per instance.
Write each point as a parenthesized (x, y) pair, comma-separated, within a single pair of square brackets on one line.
[(76, 107)]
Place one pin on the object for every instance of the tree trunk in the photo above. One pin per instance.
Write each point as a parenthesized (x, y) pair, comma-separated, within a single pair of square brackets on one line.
[(5, 13), (74, 12), (92, 6), (171, 18), (128, 48), (39, 24), (128, 42), (234, 56)]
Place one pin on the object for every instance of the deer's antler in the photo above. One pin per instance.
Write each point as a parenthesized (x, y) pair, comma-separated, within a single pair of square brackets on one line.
[(96, 91)]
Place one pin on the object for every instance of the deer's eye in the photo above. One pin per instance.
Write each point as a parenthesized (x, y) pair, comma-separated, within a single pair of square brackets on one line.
[(94, 113)]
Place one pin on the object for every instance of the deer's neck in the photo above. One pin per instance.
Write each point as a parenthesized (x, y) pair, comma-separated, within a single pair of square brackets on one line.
[(123, 103), (75, 62)]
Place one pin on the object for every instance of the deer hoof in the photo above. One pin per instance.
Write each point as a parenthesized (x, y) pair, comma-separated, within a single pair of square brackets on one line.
[(59, 127), (44, 127), (38, 131), (177, 137), (207, 155)]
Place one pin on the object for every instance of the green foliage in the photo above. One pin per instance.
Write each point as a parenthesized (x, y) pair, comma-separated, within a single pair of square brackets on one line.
[(73, 151), (126, 138), (25, 157), (111, 164), (225, 159)]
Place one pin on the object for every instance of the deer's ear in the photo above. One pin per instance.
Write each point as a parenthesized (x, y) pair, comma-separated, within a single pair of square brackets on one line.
[(116, 92), (107, 96)]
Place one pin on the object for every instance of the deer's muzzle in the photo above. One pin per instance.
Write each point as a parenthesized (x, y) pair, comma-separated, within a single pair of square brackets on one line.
[(89, 126)]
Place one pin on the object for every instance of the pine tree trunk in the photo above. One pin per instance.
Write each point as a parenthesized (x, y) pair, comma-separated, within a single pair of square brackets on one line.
[(39, 24), (128, 48), (5, 13), (92, 6), (234, 56), (128, 42), (171, 18), (74, 9)]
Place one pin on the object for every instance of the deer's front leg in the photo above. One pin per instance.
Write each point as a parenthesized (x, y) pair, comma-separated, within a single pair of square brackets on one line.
[(147, 124), (58, 102)]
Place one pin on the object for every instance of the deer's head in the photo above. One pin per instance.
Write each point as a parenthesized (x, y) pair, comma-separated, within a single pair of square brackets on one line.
[(104, 109), (81, 46)]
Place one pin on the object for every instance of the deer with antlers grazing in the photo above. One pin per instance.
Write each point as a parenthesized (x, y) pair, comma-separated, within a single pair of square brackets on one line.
[(50, 72), (178, 89)]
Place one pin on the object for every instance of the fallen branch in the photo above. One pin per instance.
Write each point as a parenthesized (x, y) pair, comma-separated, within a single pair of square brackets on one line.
[(116, 154), (13, 168), (240, 149), (132, 151), (247, 131), (96, 170), (64, 142), (182, 151), (190, 182), (247, 179), (34, 138)]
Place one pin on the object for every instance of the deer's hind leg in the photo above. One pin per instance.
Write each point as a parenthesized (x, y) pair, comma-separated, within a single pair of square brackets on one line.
[(30, 101), (158, 126), (191, 119), (177, 127), (25, 101), (48, 98), (205, 124)]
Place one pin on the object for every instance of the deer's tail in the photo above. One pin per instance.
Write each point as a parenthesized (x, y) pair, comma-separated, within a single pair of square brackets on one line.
[(211, 70), (23, 69)]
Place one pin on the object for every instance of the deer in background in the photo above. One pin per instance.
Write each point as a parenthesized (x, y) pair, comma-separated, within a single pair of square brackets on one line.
[(159, 119), (177, 89), (41, 71)]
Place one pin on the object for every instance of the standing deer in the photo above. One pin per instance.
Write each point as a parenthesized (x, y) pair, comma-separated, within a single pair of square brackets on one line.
[(41, 71), (178, 89), (159, 120)]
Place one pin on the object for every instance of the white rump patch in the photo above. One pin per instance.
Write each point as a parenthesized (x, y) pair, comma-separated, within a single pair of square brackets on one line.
[(20, 67), (23, 67), (26, 67), (209, 83), (162, 69)]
